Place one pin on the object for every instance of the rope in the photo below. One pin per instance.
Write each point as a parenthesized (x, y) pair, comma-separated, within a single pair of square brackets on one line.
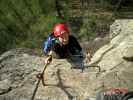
[(40, 78), (35, 90)]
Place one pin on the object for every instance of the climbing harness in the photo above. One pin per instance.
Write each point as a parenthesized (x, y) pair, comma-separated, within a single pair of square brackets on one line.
[(41, 78)]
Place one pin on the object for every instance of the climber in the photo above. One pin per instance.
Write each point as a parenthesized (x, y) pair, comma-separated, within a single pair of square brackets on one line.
[(61, 44)]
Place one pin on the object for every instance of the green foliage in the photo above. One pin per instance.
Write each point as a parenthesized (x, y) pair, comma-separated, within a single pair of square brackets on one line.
[(40, 31), (26, 23), (47, 6), (6, 41), (88, 28)]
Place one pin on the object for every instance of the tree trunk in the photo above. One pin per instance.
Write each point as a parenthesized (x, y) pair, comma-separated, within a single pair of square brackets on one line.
[(118, 6), (59, 9)]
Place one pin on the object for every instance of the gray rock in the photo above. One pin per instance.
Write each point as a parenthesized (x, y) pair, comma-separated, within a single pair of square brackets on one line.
[(18, 79), (116, 57), (19, 67)]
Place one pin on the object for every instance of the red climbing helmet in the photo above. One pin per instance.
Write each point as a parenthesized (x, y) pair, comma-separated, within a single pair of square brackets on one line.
[(59, 29)]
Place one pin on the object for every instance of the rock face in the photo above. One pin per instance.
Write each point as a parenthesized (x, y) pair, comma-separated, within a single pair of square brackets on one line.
[(19, 67), (18, 70), (116, 57)]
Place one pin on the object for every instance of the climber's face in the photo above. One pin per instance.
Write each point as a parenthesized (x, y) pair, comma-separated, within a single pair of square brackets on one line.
[(63, 38)]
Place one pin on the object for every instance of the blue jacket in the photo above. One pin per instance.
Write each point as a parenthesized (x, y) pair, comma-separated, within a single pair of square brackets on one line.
[(52, 43), (49, 43)]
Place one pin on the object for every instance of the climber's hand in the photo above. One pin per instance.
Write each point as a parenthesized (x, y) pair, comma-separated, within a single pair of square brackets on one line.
[(48, 59)]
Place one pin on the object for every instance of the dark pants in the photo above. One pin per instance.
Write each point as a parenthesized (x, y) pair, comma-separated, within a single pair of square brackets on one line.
[(75, 60)]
